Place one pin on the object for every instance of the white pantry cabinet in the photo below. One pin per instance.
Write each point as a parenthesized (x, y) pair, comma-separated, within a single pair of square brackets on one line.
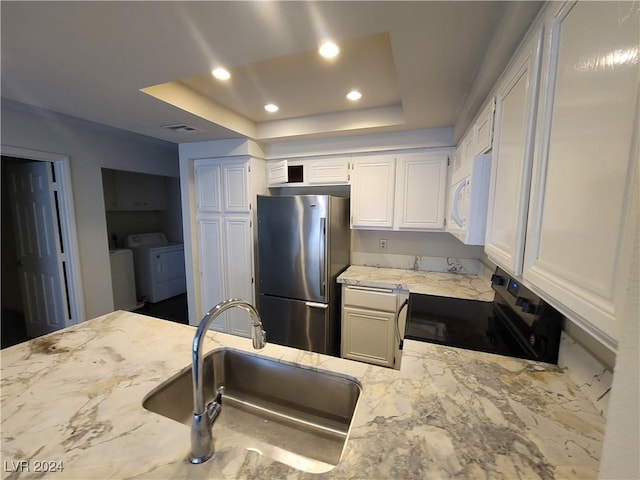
[(225, 199), (585, 160), (405, 191), (371, 324), (516, 97)]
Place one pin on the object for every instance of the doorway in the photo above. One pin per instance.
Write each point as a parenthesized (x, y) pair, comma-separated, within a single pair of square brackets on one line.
[(41, 287)]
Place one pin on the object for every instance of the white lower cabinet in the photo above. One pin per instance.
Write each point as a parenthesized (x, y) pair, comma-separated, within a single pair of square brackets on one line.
[(371, 325)]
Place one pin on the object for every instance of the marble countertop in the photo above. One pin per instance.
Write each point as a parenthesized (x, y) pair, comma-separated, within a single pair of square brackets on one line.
[(469, 287), (75, 397)]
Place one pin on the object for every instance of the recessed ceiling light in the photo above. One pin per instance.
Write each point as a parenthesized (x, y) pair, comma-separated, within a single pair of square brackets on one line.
[(271, 107), (354, 95), (329, 50), (221, 73)]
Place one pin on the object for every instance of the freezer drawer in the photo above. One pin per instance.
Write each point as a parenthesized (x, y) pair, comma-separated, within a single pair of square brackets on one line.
[(299, 324)]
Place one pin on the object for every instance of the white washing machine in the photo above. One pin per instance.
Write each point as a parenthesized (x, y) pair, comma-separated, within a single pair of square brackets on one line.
[(159, 266)]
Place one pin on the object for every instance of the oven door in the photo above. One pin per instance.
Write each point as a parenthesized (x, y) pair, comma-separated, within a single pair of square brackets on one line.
[(449, 321)]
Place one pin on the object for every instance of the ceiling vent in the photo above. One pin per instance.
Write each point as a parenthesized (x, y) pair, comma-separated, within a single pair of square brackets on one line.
[(182, 128)]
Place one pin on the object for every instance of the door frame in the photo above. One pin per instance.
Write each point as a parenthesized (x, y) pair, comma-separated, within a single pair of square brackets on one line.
[(62, 168)]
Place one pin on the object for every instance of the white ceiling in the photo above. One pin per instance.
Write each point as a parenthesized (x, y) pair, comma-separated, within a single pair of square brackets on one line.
[(415, 63)]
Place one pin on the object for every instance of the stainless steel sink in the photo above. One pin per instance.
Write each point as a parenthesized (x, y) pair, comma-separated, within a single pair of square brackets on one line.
[(295, 415)]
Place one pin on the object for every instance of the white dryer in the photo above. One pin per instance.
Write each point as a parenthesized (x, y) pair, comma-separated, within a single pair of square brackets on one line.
[(159, 266)]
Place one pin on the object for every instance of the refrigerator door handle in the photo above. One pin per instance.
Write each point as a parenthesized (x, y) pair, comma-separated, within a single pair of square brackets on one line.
[(324, 306), (323, 258)]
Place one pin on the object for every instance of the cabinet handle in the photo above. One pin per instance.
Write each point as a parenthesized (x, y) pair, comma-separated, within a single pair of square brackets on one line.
[(370, 289), (323, 246), (323, 306)]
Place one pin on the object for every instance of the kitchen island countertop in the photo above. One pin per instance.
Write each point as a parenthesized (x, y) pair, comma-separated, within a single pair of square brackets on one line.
[(75, 397), (456, 285)]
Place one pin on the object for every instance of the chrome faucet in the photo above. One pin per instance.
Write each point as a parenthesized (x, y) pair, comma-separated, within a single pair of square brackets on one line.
[(203, 418)]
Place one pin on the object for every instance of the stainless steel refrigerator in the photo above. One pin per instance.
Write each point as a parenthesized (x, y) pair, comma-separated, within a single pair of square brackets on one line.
[(303, 245)]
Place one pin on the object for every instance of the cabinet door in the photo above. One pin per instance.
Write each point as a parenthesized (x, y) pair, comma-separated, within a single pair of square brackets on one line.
[(238, 271), (462, 161), (207, 186), (211, 263), (585, 160), (420, 191), (512, 154), (368, 336), (372, 195), (277, 172), (235, 187), (484, 129), (139, 191), (328, 172)]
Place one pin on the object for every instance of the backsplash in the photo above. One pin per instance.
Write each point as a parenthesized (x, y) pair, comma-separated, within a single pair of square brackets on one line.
[(427, 251), (588, 373), (414, 262)]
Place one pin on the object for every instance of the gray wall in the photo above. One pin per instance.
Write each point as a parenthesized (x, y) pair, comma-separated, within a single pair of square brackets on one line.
[(90, 147)]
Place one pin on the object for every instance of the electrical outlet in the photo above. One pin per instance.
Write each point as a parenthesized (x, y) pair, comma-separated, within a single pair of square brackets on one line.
[(383, 244)]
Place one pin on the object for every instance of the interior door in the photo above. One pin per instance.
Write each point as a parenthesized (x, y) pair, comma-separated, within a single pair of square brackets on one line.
[(40, 263)]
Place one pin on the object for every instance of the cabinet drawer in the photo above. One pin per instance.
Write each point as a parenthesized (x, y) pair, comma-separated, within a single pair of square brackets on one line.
[(370, 299)]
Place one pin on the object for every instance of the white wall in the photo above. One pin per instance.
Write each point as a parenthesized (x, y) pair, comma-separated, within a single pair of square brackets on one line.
[(427, 244), (90, 147), (622, 436)]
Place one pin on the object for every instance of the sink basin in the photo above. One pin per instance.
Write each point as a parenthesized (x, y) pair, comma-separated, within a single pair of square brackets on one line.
[(292, 414)]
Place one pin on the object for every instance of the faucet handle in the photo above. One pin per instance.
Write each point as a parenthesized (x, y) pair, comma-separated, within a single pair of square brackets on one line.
[(219, 395), (258, 336), (213, 408)]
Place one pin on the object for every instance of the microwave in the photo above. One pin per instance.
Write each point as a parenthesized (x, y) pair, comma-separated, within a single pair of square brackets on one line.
[(468, 200)]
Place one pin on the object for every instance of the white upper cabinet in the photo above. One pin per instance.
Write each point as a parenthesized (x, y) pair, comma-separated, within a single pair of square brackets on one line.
[(236, 191), (516, 97), (586, 156), (372, 192), (277, 173), (304, 172), (405, 191), (421, 181), (132, 191), (207, 186), (483, 129), (462, 159), (333, 171)]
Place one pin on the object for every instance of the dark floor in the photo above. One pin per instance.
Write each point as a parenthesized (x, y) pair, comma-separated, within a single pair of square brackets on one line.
[(14, 330), (173, 309)]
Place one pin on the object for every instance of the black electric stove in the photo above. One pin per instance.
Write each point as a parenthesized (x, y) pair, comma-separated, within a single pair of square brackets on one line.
[(518, 323)]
